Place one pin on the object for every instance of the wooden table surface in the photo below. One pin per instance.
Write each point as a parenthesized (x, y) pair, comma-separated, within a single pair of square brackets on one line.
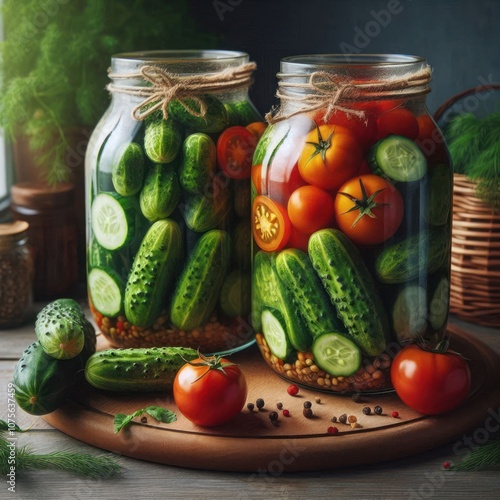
[(416, 477)]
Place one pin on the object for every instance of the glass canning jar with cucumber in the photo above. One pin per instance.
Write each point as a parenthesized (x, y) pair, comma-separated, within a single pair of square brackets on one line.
[(351, 203), (168, 202)]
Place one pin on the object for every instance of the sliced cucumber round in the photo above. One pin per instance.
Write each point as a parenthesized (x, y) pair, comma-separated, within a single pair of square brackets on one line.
[(409, 313), (336, 354), (106, 289), (113, 220), (399, 159), (274, 330)]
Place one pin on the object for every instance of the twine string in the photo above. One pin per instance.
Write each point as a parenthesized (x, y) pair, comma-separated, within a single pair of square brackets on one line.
[(162, 87), (325, 90)]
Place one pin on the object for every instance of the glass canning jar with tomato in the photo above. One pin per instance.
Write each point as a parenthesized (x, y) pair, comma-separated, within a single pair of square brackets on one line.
[(351, 201), (168, 201)]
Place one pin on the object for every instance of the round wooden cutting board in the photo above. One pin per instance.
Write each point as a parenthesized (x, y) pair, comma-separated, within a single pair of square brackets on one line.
[(252, 443)]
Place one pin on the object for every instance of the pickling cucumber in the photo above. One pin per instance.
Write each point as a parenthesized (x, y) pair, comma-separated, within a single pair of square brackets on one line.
[(128, 172), (297, 273), (198, 163), (235, 294), (242, 113), (409, 312), (162, 140), (271, 291), (203, 212), (153, 273), (274, 331), (351, 289), (199, 286), (214, 120), (439, 300), (137, 370), (160, 194)]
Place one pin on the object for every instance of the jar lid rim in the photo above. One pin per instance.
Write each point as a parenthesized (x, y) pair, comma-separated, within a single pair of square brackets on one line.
[(191, 55), (342, 60)]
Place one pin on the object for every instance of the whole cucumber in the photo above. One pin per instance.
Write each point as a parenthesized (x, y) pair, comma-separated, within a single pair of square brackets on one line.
[(198, 163), (214, 120), (132, 370), (128, 171), (162, 140)]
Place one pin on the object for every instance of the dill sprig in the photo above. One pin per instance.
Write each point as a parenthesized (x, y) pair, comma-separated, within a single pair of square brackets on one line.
[(485, 457), (475, 149)]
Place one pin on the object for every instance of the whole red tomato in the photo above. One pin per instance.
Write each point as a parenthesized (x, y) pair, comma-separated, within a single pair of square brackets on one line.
[(210, 391), (399, 121), (430, 382), (368, 209)]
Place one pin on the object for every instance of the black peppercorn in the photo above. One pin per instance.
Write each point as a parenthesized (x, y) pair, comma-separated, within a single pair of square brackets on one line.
[(334, 419), (356, 397), (367, 410), (343, 418), (307, 404), (250, 406), (273, 416), (144, 420), (308, 413), (378, 410), (279, 406), (260, 403)]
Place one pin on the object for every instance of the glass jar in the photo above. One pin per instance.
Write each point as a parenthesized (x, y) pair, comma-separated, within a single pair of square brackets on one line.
[(53, 235), (168, 202), (16, 274), (351, 221)]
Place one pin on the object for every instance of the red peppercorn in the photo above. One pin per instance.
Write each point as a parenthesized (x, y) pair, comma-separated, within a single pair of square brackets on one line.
[(293, 390), (332, 430), (286, 413), (395, 414), (446, 464)]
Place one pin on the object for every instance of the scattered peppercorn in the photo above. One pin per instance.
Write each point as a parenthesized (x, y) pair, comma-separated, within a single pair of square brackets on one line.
[(334, 419), (308, 413), (260, 403), (356, 397), (395, 414), (144, 420), (447, 465), (250, 406), (367, 410), (307, 404), (378, 410), (318, 400), (352, 418), (343, 418), (293, 390), (279, 406), (332, 430), (286, 413), (273, 416)]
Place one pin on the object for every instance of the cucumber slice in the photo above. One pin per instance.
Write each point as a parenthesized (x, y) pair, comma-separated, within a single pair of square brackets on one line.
[(112, 218), (235, 295), (273, 328), (439, 303), (409, 313), (399, 159), (106, 291), (336, 354)]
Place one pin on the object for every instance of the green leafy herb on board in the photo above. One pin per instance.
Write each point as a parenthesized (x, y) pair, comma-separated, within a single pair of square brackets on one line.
[(158, 413), (485, 457)]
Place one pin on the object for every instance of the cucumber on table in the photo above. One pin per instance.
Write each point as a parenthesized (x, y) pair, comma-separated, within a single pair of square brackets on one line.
[(351, 289), (134, 370), (304, 287), (128, 172), (153, 273), (199, 286), (198, 163), (271, 293), (398, 159)]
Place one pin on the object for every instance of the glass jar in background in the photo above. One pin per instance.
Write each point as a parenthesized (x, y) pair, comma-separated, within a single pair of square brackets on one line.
[(16, 274), (351, 190), (53, 235), (168, 202)]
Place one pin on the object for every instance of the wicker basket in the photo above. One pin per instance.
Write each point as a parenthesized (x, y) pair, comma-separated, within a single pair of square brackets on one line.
[(475, 251)]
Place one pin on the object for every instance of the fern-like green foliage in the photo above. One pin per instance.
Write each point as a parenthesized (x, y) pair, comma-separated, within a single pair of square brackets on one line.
[(55, 57), (475, 149)]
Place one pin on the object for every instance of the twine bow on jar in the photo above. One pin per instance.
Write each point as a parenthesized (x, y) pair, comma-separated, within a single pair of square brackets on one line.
[(163, 87), (328, 91)]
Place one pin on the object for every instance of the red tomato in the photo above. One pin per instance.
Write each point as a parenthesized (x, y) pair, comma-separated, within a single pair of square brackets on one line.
[(310, 209), (210, 391), (257, 178), (430, 382), (399, 121), (368, 209), (270, 224), (431, 141), (330, 156), (298, 240), (283, 181), (235, 148), (257, 128)]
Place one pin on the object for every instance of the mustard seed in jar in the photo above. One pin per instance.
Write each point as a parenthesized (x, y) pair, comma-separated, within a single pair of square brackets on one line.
[(16, 274)]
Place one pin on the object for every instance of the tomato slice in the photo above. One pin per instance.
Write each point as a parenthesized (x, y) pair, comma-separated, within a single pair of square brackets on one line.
[(270, 223), (235, 148)]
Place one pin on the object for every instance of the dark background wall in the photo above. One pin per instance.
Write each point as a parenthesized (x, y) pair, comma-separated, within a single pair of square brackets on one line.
[(459, 38)]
